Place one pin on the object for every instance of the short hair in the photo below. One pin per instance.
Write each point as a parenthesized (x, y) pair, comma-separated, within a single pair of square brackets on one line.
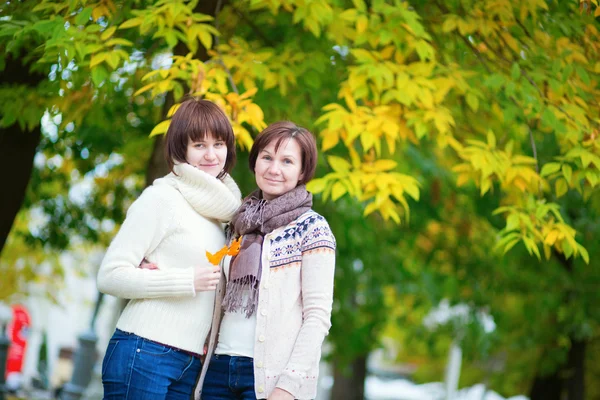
[(280, 131), (195, 119)]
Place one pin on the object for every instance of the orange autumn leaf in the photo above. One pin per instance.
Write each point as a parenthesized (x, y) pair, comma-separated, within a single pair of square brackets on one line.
[(216, 258), (234, 249)]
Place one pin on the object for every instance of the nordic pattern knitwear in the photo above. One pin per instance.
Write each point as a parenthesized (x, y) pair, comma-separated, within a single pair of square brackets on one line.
[(254, 219), (294, 308)]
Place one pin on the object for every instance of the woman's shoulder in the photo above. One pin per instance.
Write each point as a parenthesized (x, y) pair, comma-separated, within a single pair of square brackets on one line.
[(310, 218), (157, 196), (310, 224)]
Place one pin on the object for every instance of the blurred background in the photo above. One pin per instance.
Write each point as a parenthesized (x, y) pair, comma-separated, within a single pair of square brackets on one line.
[(459, 169)]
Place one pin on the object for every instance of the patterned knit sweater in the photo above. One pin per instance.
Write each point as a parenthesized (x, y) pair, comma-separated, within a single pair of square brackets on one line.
[(171, 224), (294, 308)]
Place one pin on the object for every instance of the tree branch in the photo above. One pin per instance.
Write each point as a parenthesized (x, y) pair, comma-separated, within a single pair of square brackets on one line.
[(229, 75)]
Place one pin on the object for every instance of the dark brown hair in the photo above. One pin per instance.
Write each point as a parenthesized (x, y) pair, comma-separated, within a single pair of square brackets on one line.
[(195, 119), (283, 130)]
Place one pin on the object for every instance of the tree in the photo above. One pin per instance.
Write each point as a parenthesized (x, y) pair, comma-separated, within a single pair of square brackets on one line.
[(499, 92)]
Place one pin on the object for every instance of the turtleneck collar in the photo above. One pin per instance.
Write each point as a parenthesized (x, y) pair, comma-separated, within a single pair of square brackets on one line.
[(209, 196)]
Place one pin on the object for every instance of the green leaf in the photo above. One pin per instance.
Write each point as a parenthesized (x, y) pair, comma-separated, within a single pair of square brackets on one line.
[(84, 16), (584, 253), (567, 172), (561, 187), (515, 71), (473, 102), (550, 168), (99, 75)]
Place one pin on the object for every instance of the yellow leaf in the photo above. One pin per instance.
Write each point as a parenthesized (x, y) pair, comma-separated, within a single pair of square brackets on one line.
[(462, 179), (387, 52), (108, 33), (160, 128), (316, 185), (361, 24), (330, 139), (370, 208), (337, 191), (97, 59), (144, 89), (551, 238), (216, 258), (234, 249), (338, 164), (384, 165), (449, 24), (130, 23), (491, 139)]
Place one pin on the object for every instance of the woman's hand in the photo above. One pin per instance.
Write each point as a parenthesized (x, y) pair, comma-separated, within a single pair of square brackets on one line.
[(280, 394), (145, 264), (206, 277)]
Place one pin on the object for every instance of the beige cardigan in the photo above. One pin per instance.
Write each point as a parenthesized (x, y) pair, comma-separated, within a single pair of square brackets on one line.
[(294, 308)]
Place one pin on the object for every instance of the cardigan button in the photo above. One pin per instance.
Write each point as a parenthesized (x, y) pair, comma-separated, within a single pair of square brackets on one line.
[(261, 389), (261, 338), (263, 312), (259, 364)]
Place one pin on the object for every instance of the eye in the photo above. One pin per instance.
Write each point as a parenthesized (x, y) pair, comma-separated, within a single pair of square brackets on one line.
[(198, 145), (219, 144), (288, 161), (266, 157)]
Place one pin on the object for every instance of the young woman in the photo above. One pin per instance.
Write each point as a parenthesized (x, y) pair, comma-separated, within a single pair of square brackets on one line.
[(155, 351), (279, 292)]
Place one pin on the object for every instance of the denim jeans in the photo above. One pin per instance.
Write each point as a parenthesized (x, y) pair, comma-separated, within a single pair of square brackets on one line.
[(229, 377), (137, 368)]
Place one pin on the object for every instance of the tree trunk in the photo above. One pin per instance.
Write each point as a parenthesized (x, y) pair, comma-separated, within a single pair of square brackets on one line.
[(575, 377), (350, 385), (17, 149), (547, 387), (157, 165)]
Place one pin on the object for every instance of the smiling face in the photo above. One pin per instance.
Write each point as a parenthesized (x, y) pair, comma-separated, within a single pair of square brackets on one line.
[(208, 154), (278, 171)]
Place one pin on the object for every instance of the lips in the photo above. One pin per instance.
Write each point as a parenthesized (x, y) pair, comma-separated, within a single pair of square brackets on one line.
[(272, 181)]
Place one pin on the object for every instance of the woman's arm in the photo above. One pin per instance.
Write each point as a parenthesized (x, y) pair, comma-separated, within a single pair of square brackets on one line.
[(147, 222), (318, 266)]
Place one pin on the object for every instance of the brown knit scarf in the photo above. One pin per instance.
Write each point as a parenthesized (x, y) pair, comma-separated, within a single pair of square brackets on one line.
[(255, 218)]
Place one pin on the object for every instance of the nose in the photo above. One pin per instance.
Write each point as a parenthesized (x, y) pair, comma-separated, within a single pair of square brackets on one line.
[(210, 153), (274, 168)]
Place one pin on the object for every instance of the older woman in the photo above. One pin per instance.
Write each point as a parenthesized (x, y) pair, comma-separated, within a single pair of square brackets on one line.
[(279, 292)]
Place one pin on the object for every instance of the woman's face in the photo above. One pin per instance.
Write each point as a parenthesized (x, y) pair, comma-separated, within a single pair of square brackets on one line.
[(208, 154), (278, 172)]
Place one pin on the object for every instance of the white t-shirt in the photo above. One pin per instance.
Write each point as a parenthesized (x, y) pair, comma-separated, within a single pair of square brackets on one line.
[(236, 334)]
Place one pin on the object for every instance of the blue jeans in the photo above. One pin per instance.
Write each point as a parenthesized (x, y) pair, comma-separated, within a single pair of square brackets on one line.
[(137, 368), (229, 378)]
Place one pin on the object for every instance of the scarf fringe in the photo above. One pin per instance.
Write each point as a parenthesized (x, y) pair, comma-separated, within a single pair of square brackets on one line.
[(254, 209), (235, 299)]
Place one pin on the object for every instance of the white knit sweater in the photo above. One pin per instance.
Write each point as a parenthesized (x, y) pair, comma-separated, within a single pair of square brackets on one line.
[(171, 224)]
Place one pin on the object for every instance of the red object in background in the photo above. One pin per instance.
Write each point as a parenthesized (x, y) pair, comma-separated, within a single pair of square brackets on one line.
[(18, 332)]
